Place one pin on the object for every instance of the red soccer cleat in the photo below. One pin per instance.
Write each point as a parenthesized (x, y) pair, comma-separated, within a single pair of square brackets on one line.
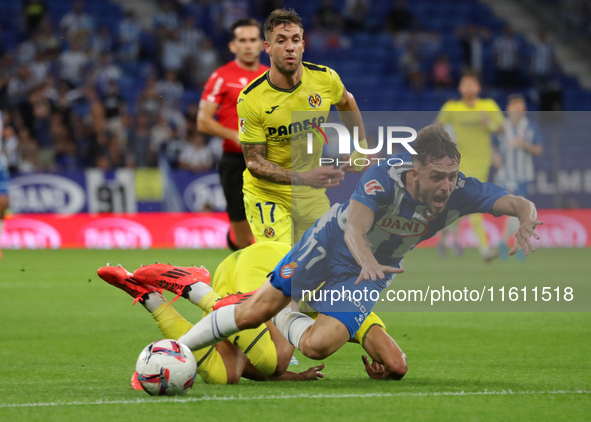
[(135, 384), (233, 299), (171, 278), (123, 279)]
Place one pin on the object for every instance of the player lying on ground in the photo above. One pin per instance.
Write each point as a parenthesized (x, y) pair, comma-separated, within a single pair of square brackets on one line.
[(243, 271), (259, 354), (390, 212)]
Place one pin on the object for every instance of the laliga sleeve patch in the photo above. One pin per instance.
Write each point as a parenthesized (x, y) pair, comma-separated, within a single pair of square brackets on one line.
[(242, 127), (372, 187)]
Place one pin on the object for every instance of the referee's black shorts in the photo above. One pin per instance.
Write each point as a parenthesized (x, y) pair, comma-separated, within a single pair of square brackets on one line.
[(231, 167)]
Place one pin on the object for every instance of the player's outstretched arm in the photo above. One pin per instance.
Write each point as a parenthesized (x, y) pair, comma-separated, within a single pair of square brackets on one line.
[(206, 123), (525, 211), (359, 223), (261, 168), (311, 374)]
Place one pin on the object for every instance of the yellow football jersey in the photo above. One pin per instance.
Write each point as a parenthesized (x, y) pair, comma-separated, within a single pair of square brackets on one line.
[(471, 133), (264, 115)]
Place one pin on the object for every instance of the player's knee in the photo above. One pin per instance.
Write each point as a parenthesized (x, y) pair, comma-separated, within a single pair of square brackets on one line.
[(248, 317), (315, 349)]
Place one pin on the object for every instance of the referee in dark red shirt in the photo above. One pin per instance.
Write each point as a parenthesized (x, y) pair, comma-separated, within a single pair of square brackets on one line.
[(219, 101)]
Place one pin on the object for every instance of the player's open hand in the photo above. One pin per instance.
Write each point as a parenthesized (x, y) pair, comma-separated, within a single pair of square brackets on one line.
[(375, 270), (323, 177), (375, 370), (311, 374), (523, 236)]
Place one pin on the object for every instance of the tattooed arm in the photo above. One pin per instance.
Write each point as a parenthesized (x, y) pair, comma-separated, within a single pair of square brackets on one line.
[(261, 168)]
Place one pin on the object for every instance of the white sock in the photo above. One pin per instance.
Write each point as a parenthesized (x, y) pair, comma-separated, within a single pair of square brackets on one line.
[(213, 328), (292, 325), (281, 312), (198, 292), (153, 301)]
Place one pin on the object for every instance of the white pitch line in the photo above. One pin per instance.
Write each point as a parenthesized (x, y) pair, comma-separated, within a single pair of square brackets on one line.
[(298, 396)]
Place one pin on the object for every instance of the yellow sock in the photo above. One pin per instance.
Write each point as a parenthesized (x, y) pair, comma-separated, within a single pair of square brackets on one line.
[(208, 301), (477, 223), (170, 322)]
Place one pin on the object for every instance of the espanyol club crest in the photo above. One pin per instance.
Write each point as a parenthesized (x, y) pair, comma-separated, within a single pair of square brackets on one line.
[(315, 100), (286, 271), (372, 187)]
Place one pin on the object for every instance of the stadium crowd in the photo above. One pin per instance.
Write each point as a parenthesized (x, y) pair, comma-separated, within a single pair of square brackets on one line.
[(77, 91)]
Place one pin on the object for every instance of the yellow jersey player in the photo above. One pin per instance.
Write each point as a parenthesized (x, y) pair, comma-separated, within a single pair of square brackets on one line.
[(281, 201), (472, 121)]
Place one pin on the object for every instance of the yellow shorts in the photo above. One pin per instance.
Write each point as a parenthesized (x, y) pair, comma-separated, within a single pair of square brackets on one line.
[(210, 366), (278, 218)]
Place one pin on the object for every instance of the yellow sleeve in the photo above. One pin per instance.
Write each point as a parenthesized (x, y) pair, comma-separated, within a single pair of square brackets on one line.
[(444, 116), (336, 87), (250, 125)]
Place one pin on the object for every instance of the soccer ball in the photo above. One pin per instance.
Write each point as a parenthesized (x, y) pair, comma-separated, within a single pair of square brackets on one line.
[(166, 367)]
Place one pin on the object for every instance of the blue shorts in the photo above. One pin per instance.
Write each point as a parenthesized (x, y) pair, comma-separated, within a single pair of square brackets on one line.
[(320, 270), (4, 177)]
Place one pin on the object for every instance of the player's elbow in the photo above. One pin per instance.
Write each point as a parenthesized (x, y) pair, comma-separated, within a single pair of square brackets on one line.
[(397, 370), (203, 125)]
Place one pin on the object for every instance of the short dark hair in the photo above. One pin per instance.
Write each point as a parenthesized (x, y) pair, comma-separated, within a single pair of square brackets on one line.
[(434, 143), (244, 22), (281, 17), (471, 73), (515, 97)]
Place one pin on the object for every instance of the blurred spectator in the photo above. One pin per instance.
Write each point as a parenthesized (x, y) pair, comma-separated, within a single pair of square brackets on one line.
[(27, 49), (160, 134), (33, 13), (355, 13), (105, 72), (40, 67), (20, 84), (115, 112), (28, 152), (327, 15), (129, 32), (191, 37), (195, 155), (230, 11), (207, 62), (72, 63), (410, 65), (399, 18), (472, 38), (166, 18), (49, 42), (174, 52), (101, 42), (149, 102), (327, 37), (542, 62), (77, 24), (10, 143), (442, 72), (138, 142), (265, 7), (506, 51), (98, 119), (171, 148), (171, 91)]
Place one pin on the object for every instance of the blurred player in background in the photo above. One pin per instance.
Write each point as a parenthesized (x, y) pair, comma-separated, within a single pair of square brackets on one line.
[(271, 186), (219, 100), (518, 145), (4, 179), (471, 121)]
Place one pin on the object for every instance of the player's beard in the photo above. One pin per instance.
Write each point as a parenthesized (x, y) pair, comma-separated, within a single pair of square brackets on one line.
[(288, 71)]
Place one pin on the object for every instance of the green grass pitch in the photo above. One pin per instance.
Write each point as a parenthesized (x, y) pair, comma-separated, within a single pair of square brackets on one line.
[(69, 341)]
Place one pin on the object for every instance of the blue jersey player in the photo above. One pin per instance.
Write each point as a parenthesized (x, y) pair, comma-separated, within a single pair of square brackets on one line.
[(359, 246)]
